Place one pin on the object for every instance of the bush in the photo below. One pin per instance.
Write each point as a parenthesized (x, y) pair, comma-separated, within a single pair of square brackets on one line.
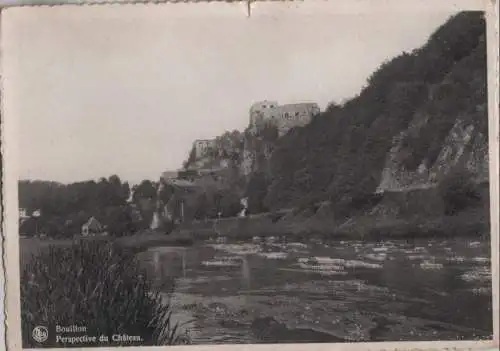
[(459, 192), (95, 285), (275, 216), (256, 191), (364, 201), (309, 203)]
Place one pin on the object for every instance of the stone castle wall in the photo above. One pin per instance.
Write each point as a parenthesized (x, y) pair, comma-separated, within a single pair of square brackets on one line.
[(284, 117)]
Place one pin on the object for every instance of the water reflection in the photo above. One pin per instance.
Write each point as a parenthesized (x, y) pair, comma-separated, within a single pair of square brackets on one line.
[(245, 272), (166, 259), (344, 289)]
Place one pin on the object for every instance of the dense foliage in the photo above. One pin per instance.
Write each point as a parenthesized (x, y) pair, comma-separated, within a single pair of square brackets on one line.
[(459, 192), (64, 208), (211, 203), (341, 153), (256, 192)]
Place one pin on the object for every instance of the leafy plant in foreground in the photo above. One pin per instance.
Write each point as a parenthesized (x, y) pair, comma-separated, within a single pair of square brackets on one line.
[(97, 286)]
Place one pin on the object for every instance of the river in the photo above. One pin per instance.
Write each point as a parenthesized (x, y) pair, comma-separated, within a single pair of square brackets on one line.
[(276, 291)]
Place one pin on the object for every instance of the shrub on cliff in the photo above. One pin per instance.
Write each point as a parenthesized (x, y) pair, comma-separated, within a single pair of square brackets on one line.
[(459, 192), (275, 216), (99, 287), (309, 203)]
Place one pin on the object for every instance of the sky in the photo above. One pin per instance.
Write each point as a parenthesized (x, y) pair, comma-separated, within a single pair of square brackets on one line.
[(98, 92)]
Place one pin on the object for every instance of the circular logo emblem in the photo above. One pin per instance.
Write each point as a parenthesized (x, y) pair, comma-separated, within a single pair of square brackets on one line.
[(40, 334)]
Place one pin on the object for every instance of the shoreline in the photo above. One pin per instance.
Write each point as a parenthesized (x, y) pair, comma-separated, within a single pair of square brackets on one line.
[(365, 229)]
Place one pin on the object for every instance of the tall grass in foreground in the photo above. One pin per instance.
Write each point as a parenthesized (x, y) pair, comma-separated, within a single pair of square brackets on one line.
[(94, 285)]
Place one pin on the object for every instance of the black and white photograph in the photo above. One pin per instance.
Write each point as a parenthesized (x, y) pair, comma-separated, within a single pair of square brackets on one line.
[(281, 178)]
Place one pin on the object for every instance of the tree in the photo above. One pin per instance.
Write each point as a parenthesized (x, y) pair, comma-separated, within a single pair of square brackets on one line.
[(120, 221), (66, 207), (191, 158), (145, 190), (308, 203), (117, 191), (333, 107), (459, 192), (202, 207), (125, 191), (228, 203), (268, 132), (256, 192), (28, 227), (166, 192)]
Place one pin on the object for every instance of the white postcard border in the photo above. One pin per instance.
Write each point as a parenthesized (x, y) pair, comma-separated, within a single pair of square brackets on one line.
[(9, 129)]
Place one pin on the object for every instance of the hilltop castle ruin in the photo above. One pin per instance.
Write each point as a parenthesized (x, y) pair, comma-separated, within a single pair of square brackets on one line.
[(284, 117)]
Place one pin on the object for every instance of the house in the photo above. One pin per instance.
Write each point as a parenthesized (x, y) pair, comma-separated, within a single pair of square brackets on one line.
[(92, 226)]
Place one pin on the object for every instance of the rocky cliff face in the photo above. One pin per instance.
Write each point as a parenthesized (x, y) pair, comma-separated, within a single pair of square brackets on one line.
[(257, 152), (464, 147), (214, 180), (417, 161), (242, 152), (225, 153)]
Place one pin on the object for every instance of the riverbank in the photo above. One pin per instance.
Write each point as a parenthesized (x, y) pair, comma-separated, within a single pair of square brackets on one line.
[(30, 247), (418, 213), (473, 223), (391, 215)]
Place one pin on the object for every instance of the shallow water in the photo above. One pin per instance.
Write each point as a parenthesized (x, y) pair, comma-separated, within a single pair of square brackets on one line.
[(272, 291)]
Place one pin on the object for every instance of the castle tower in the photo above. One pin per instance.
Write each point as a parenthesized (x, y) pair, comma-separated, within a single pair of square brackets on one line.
[(262, 111), (284, 117)]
